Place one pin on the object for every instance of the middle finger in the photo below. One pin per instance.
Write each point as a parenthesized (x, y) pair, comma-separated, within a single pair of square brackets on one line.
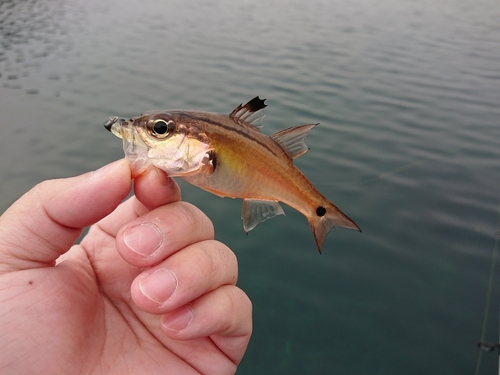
[(158, 234)]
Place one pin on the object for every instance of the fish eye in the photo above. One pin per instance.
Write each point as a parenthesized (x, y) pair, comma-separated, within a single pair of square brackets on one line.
[(161, 128)]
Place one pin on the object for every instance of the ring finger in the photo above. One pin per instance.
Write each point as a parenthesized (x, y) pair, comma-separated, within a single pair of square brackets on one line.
[(185, 276)]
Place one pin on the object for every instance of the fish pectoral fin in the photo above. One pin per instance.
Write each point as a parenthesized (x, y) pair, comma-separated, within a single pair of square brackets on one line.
[(255, 211), (293, 140), (250, 112)]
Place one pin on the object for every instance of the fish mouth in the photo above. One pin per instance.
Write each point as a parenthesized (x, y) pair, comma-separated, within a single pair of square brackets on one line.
[(136, 151), (109, 124)]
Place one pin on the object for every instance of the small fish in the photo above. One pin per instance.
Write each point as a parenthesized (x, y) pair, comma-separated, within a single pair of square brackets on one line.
[(228, 156)]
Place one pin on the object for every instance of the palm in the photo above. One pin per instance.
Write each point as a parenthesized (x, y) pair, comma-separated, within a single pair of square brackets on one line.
[(84, 306)]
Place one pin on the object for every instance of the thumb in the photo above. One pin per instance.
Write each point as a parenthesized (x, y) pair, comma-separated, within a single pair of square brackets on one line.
[(47, 220)]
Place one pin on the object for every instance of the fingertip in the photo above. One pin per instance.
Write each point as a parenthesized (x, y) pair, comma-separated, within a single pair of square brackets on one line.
[(156, 234), (154, 188), (119, 168), (153, 288), (224, 315), (178, 320)]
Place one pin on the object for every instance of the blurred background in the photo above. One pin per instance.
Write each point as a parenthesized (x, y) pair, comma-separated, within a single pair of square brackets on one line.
[(407, 94)]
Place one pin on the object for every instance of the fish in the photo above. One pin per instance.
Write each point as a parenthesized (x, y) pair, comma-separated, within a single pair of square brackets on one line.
[(229, 156)]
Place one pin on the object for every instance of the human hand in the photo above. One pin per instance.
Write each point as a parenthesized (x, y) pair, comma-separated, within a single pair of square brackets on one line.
[(90, 312)]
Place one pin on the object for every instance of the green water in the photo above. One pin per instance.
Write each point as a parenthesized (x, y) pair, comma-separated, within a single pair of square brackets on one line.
[(407, 94)]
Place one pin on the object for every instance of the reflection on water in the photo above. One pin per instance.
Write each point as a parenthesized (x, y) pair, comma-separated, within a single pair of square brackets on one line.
[(31, 34), (408, 145)]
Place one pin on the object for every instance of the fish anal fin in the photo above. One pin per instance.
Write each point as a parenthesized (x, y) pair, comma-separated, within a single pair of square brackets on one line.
[(255, 211), (293, 140), (250, 112)]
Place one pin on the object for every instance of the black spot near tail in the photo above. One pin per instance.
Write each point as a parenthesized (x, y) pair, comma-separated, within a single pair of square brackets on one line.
[(321, 211)]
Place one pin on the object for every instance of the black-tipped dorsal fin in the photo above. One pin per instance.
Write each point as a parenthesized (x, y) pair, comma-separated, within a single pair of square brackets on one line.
[(293, 140), (249, 113)]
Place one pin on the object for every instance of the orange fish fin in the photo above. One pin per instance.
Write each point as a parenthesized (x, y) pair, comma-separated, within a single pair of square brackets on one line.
[(327, 218), (255, 211), (249, 113), (293, 140)]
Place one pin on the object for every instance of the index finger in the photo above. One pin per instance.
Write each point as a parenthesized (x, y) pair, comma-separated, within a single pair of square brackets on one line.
[(152, 189)]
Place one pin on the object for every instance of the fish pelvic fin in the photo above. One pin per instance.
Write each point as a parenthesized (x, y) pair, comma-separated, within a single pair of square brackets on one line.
[(255, 211), (325, 219)]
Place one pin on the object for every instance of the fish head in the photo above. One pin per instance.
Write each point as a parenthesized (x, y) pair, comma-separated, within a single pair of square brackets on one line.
[(167, 140), (136, 151)]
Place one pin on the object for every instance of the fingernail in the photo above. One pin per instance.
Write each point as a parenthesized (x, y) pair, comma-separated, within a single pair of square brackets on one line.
[(178, 320), (143, 239), (159, 285)]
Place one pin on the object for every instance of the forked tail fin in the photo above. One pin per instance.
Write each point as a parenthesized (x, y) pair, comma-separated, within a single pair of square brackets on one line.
[(327, 218)]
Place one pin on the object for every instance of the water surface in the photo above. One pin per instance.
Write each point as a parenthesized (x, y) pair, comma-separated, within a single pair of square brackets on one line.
[(407, 96)]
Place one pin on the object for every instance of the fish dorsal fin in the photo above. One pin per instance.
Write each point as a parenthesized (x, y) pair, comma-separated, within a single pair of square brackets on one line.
[(250, 113), (293, 140), (255, 211)]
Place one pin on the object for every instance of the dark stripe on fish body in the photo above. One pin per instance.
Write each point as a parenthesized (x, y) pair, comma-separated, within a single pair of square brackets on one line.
[(231, 128)]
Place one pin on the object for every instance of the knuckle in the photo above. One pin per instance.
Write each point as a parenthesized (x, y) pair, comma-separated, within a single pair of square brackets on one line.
[(240, 306), (193, 218), (223, 262)]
